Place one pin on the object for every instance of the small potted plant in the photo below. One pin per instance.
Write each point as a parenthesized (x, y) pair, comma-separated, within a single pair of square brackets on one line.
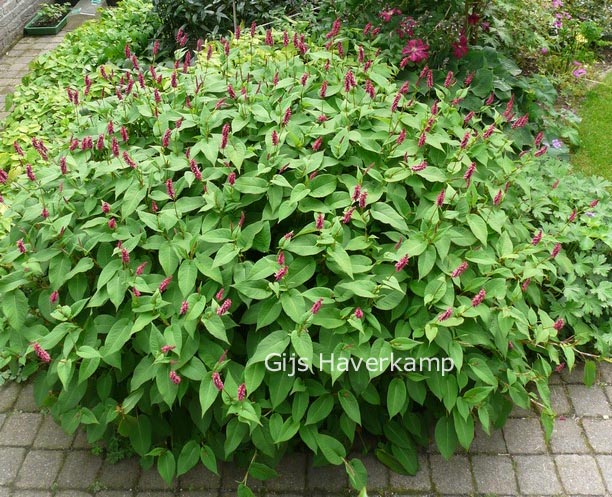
[(49, 20)]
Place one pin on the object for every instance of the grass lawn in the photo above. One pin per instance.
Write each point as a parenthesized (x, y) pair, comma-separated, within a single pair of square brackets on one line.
[(595, 154)]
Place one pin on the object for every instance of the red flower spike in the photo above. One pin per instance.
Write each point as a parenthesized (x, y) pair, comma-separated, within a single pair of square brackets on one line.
[(460, 269), (316, 307), (480, 296), (217, 381)]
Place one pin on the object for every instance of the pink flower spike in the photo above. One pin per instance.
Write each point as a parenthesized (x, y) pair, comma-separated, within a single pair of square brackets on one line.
[(163, 286), (125, 256), (287, 116), (480, 296), (555, 251), (316, 307), (166, 138), (124, 134), (401, 137), (320, 221), (54, 297), (317, 144), (227, 303), (174, 378), (363, 199), (419, 167), (42, 354), (30, 173), (231, 178), (446, 314), (572, 217), (288, 236), (167, 348), (281, 273), (440, 198), (217, 381), (241, 393), (356, 192), (346, 218), (170, 189), (44, 213), (498, 198), (559, 324), (112, 224), (358, 313), (525, 285), (401, 264), (537, 238), (225, 135), (184, 308), (460, 269), (594, 203), (280, 258)]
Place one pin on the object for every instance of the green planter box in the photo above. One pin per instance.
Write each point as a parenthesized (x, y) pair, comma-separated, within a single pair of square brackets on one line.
[(32, 30)]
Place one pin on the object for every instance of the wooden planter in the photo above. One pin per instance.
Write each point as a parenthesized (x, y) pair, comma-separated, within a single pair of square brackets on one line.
[(32, 30)]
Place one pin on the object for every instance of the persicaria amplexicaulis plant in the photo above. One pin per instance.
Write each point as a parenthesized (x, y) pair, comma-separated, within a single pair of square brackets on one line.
[(210, 228)]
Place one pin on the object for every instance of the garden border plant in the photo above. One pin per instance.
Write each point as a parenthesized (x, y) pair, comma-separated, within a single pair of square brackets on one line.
[(268, 196)]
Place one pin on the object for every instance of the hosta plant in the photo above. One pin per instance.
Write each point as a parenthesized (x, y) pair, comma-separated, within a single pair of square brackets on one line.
[(266, 197)]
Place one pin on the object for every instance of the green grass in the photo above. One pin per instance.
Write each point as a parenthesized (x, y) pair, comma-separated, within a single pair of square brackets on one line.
[(594, 156)]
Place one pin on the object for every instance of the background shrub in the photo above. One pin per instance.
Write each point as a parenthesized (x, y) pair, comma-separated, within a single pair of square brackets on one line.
[(278, 197)]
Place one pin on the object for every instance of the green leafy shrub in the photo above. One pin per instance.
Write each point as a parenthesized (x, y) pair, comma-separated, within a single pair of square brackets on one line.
[(269, 197), (39, 105), (186, 21)]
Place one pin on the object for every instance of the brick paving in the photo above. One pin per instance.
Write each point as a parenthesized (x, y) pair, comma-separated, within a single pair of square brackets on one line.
[(37, 459)]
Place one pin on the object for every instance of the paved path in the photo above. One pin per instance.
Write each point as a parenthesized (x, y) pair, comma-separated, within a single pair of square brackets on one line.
[(38, 460), (14, 63)]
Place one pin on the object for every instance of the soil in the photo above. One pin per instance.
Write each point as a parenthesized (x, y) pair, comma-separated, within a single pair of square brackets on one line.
[(42, 23)]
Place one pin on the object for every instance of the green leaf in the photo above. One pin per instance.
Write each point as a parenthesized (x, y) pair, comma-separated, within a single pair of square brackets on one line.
[(59, 267), (15, 308), (464, 429), (132, 198), (293, 304), (269, 311), (302, 343), (446, 438), (207, 456), (341, 257), (478, 227), (140, 435), (188, 458), (357, 473), (350, 405), (435, 290), (388, 215), (117, 337), (187, 275), (260, 471), (274, 343), (331, 448), (427, 261), (320, 409), (166, 465), (244, 491), (168, 259), (590, 373), (207, 393), (396, 396)]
